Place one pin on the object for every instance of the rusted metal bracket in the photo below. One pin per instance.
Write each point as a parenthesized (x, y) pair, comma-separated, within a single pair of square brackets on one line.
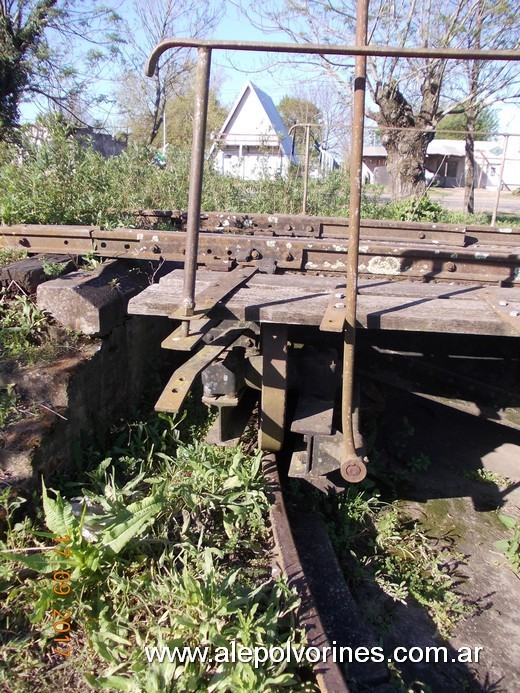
[(274, 387), (232, 417), (181, 381), (209, 297), (334, 316), (178, 342)]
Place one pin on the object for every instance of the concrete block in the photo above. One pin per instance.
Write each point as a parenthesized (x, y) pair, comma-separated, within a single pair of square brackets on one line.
[(29, 273), (93, 302)]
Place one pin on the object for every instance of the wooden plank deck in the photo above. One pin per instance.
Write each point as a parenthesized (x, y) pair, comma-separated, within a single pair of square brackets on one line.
[(382, 304)]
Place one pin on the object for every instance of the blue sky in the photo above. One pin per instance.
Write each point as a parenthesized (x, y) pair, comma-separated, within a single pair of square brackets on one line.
[(231, 69)]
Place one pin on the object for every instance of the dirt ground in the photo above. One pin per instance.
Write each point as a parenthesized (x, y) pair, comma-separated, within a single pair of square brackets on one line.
[(451, 501)]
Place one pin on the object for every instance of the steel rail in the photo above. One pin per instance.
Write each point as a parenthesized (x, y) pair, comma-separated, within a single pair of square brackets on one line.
[(332, 49)]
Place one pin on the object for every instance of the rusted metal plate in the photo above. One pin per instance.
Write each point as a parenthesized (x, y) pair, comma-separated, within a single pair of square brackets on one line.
[(390, 259), (274, 387), (313, 416), (224, 285), (493, 235), (49, 238), (334, 317), (328, 673), (177, 342), (181, 381)]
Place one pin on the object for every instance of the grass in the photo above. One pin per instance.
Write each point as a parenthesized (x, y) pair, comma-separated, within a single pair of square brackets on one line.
[(166, 544), (10, 255), (36, 186), (27, 334)]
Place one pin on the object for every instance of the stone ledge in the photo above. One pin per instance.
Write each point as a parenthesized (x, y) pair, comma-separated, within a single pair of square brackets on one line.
[(29, 273), (93, 303)]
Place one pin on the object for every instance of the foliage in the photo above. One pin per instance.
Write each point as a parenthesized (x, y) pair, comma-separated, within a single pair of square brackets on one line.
[(26, 332), (179, 119), (407, 92), (8, 402), (417, 209), (454, 125), (39, 56), (10, 255), (166, 546), (52, 269), (377, 542), (511, 546), (144, 100), (62, 181)]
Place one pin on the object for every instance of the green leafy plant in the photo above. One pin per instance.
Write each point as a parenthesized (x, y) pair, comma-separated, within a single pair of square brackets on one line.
[(8, 401), (418, 209), (511, 546), (167, 546), (52, 269), (10, 255), (486, 476)]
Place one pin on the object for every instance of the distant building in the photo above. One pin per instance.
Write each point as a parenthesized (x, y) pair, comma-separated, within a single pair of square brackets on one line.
[(99, 141), (445, 163), (253, 142)]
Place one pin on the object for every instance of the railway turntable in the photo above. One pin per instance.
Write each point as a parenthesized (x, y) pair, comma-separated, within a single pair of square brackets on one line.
[(270, 307), (277, 338)]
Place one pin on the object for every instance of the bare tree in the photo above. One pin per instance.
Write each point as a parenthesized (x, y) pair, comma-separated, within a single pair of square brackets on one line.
[(47, 49), (142, 99), (405, 93)]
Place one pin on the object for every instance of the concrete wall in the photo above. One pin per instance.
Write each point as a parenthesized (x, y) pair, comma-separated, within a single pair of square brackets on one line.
[(85, 393)]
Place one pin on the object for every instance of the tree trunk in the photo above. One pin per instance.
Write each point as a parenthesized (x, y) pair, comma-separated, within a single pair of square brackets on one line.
[(405, 146), (469, 164), (406, 153)]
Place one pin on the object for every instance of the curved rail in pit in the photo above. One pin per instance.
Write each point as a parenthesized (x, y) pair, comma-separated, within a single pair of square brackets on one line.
[(327, 610), (328, 674)]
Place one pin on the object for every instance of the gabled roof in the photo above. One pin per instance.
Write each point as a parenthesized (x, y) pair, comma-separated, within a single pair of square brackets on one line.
[(267, 121)]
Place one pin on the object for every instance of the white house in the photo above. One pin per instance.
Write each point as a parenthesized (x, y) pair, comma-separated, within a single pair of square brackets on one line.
[(253, 142), (445, 163)]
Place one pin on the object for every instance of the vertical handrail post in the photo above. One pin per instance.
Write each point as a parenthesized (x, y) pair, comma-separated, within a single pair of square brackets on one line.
[(500, 181), (353, 467), (196, 175), (306, 173)]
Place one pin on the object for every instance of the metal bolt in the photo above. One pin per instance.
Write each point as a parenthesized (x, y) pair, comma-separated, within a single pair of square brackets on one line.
[(156, 249), (451, 266), (502, 303), (421, 235), (309, 228), (288, 227), (514, 313), (255, 255), (288, 257), (340, 295), (339, 305)]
